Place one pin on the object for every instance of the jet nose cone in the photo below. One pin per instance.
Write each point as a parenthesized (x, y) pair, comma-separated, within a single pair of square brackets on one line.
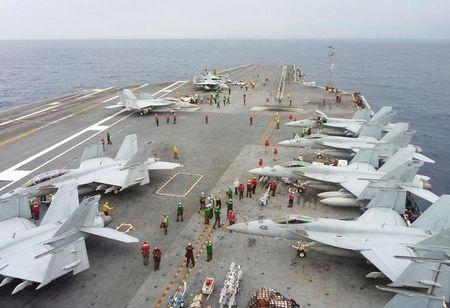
[(291, 123), (260, 171), (288, 143)]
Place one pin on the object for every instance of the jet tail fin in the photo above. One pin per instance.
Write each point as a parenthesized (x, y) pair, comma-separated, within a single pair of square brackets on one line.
[(140, 156), (128, 98), (83, 216), (137, 167), (362, 114), (399, 158), (436, 218), (14, 206), (366, 156), (128, 148), (64, 203), (383, 116), (387, 198), (403, 173), (92, 151), (370, 130), (398, 136)]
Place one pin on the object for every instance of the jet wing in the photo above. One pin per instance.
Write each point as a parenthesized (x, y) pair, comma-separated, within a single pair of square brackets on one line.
[(325, 177), (94, 162), (353, 127), (380, 216), (113, 178), (152, 104), (383, 256), (41, 263), (162, 165), (11, 226), (349, 145), (355, 186), (422, 193)]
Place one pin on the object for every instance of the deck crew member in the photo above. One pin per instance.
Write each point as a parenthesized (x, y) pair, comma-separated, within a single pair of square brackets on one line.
[(202, 202), (218, 199), (229, 205), (229, 193), (273, 187), (164, 223), (189, 255), (209, 251), (236, 186), (207, 213), (291, 200), (241, 191), (106, 208), (156, 258), (216, 217), (254, 184), (176, 152), (180, 211), (145, 251), (249, 189)]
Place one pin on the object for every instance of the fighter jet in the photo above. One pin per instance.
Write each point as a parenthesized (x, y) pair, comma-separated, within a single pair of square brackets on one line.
[(338, 146), (54, 248), (380, 234), (211, 82), (98, 172), (349, 127), (147, 103), (359, 179)]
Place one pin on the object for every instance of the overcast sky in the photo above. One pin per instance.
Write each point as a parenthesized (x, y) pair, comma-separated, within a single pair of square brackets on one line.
[(224, 19)]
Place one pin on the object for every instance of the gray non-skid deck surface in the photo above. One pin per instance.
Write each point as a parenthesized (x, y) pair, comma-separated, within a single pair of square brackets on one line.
[(179, 185), (221, 151)]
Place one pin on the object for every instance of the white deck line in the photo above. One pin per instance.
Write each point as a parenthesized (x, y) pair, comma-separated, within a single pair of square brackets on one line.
[(95, 92), (29, 115), (10, 174)]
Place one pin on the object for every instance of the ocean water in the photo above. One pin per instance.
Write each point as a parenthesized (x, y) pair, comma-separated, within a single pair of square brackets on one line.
[(413, 76)]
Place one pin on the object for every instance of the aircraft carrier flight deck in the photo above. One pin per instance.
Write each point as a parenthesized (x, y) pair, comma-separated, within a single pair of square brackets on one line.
[(52, 134)]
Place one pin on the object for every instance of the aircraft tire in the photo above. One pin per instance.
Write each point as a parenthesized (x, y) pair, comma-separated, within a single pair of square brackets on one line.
[(301, 254)]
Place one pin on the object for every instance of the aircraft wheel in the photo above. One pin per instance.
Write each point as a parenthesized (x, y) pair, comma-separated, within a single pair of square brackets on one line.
[(145, 111), (301, 254), (141, 113), (115, 191)]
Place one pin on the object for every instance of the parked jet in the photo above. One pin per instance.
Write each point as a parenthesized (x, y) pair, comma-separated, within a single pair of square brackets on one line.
[(55, 248), (380, 234), (147, 103), (211, 82), (342, 126), (396, 138), (360, 179), (98, 172)]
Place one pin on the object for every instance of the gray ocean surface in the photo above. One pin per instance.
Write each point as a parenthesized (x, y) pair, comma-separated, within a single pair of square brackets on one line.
[(413, 76)]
